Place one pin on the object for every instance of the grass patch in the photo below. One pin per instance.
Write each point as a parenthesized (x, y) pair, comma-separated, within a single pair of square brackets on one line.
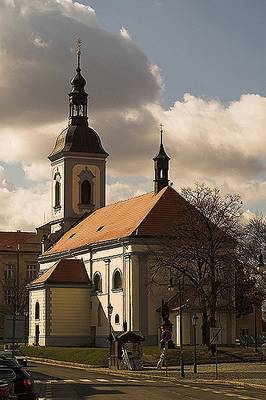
[(81, 355), (99, 356), (225, 354)]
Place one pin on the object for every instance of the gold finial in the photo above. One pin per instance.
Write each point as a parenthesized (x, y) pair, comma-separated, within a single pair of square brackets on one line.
[(78, 49)]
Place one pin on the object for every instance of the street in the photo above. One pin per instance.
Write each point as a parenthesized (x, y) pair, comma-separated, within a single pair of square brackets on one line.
[(58, 383)]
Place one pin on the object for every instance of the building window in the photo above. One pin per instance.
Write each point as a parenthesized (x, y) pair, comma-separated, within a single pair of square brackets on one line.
[(9, 272), (97, 282), (37, 310), (57, 193), (99, 315), (86, 192), (117, 279), (9, 297), (86, 179), (31, 272), (116, 319)]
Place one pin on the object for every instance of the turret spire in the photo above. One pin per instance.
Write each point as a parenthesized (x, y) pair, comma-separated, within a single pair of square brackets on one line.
[(161, 167), (78, 54), (78, 96)]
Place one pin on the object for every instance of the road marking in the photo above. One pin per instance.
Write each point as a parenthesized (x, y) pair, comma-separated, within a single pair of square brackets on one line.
[(133, 380), (85, 380), (102, 380), (247, 397), (118, 380), (228, 394), (68, 381), (149, 380), (206, 390)]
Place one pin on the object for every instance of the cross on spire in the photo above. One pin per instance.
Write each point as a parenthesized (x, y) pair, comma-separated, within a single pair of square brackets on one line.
[(161, 130), (78, 50)]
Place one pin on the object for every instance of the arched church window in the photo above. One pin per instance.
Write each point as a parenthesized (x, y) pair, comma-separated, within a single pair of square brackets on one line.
[(57, 188), (161, 173), (99, 315), (116, 319), (37, 310), (117, 279), (57, 194), (97, 282), (86, 192)]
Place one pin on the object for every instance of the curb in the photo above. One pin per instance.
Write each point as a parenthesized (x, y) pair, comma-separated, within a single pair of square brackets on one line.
[(107, 371)]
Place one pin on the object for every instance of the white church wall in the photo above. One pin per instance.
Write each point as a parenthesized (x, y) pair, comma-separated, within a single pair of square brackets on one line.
[(34, 297)]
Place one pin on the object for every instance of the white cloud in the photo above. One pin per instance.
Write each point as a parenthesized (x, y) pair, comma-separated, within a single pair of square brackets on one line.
[(223, 145), (124, 33), (22, 208)]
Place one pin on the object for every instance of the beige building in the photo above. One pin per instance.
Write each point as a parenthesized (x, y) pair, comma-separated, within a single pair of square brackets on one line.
[(19, 265), (108, 246)]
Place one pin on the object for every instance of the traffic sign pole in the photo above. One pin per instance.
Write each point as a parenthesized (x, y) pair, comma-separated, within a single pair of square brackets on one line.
[(166, 355)]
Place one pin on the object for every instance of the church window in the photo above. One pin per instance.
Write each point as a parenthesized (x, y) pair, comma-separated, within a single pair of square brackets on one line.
[(57, 194), (86, 192), (97, 282), (57, 198), (117, 279), (37, 310), (116, 319), (100, 315), (161, 173)]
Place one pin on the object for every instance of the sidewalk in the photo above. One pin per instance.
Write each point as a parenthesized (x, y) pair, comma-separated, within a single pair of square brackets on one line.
[(241, 374)]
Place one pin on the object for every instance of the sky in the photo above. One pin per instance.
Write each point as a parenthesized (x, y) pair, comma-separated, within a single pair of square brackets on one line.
[(196, 66)]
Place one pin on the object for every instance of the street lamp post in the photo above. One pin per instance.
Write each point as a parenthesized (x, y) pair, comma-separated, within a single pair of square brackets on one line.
[(171, 288), (194, 324), (110, 312), (25, 326)]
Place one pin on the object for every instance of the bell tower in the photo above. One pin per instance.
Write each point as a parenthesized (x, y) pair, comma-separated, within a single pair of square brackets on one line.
[(78, 162), (161, 168)]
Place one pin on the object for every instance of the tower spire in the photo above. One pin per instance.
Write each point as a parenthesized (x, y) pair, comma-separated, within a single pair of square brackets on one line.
[(78, 49), (78, 97), (161, 166)]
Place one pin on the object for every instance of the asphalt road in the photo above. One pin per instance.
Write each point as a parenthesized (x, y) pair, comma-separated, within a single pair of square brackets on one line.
[(60, 383)]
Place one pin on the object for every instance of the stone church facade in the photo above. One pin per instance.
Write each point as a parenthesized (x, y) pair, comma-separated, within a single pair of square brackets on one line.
[(98, 255)]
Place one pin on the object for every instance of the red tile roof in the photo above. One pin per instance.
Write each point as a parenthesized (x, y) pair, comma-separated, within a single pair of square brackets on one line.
[(148, 215), (9, 241), (64, 271)]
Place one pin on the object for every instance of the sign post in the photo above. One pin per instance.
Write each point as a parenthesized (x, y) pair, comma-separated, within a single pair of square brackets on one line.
[(166, 336), (214, 339)]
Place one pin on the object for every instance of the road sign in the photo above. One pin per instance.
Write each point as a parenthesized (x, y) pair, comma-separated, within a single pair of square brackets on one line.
[(215, 335), (166, 335)]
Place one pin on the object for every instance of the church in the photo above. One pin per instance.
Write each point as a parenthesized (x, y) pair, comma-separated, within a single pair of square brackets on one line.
[(95, 261)]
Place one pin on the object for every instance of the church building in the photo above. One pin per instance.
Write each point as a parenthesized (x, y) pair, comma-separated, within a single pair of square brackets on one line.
[(95, 262)]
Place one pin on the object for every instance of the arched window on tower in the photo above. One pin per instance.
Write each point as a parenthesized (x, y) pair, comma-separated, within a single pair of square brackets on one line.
[(57, 194), (117, 280), (57, 190), (86, 192)]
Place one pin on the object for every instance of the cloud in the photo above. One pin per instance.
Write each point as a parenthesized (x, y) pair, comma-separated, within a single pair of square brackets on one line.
[(220, 144), (23, 208)]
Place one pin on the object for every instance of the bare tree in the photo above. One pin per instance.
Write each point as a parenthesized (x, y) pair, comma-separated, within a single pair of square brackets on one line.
[(202, 247)]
